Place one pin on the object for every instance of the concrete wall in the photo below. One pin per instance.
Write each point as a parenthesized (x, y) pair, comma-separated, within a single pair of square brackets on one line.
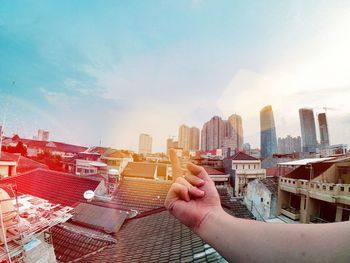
[(259, 201)]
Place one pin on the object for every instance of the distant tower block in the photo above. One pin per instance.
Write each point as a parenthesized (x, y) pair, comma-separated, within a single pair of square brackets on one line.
[(268, 139), (323, 126), (308, 130)]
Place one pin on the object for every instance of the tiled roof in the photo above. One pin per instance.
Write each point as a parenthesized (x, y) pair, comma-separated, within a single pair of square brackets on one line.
[(56, 187), (24, 164), (278, 171), (57, 146), (73, 242), (102, 218), (112, 153), (271, 183), (156, 238), (212, 171), (241, 156), (235, 208), (138, 194), (141, 170)]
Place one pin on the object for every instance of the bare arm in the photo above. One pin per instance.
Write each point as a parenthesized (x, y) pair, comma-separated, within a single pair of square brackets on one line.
[(193, 199)]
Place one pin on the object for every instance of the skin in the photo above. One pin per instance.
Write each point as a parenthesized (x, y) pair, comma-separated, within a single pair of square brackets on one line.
[(194, 200)]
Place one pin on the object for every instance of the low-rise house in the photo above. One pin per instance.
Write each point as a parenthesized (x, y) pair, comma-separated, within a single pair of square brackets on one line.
[(316, 191), (7, 166), (244, 169), (116, 159), (141, 229), (261, 197)]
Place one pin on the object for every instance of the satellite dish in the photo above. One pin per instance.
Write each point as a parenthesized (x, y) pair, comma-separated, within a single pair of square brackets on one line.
[(89, 194)]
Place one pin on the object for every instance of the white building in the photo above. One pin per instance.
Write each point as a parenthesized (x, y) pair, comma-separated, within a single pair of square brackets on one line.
[(145, 144), (245, 169)]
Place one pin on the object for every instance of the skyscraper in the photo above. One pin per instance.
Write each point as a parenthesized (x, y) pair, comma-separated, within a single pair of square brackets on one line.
[(308, 130), (237, 130), (194, 139), (189, 138), (268, 141), (212, 134), (218, 134), (184, 137), (323, 126), (145, 144)]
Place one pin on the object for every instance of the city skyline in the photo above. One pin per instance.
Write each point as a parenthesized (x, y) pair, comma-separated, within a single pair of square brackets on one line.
[(113, 71)]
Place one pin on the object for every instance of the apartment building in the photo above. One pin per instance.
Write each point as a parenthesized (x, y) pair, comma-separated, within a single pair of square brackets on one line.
[(316, 191)]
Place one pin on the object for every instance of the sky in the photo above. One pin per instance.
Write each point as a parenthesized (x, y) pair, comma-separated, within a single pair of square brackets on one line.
[(102, 72)]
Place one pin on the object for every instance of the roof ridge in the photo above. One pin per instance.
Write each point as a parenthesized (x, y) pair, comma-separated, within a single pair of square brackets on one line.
[(148, 213)]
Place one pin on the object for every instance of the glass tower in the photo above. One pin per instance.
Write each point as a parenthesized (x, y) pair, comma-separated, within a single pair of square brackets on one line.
[(308, 130), (268, 141)]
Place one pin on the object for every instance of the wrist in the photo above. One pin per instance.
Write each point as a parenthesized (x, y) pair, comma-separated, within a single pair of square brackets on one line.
[(212, 218)]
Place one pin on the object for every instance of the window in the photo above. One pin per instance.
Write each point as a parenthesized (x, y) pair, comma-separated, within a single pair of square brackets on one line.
[(261, 199)]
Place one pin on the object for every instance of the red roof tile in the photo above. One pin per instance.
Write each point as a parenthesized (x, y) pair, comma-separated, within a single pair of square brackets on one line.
[(212, 171), (24, 164), (141, 170), (241, 156), (56, 187), (156, 238), (139, 194), (73, 242)]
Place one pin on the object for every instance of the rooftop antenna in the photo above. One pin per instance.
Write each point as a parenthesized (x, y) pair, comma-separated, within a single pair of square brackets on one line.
[(4, 119)]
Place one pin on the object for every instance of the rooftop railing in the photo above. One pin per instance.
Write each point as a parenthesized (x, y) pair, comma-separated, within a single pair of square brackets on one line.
[(320, 190)]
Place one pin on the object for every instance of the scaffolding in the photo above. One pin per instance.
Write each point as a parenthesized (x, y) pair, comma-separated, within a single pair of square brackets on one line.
[(26, 223)]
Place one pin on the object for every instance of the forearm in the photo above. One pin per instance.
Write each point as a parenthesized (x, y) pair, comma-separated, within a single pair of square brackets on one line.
[(240, 240)]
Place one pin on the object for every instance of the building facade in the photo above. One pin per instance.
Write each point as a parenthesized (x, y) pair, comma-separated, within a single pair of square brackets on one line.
[(289, 144), (308, 130), (268, 141), (244, 168), (188, 138), (261, 198), (145, 144), (237, 130), (194, 139), (317, 191)]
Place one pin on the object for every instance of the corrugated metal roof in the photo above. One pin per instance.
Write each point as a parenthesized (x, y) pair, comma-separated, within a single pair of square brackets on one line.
[(306, 161)]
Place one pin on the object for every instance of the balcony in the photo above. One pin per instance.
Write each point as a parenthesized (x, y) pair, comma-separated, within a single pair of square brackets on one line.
[(251, 173), (289, 185), (329, 192), (291, 213)]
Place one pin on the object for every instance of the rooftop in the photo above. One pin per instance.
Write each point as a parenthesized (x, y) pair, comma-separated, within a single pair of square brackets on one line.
[(138, 194), (241, 156), (271, 183), (57, 187), (24, 164), (141, 170)]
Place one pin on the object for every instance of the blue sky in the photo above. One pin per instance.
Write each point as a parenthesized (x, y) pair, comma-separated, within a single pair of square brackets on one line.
[(109, 70)]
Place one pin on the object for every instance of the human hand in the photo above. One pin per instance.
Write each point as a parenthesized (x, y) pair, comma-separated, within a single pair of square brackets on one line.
[(193, 196)]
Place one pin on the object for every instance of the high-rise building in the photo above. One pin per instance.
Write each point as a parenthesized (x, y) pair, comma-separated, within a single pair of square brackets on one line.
[(308, 130), (184, 137), (323, 126), (43, 135), (145, 144), (194, 139), (268, 141), (289, 144), (188, 138), (237, 130), (171, 143), (212, 134)]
